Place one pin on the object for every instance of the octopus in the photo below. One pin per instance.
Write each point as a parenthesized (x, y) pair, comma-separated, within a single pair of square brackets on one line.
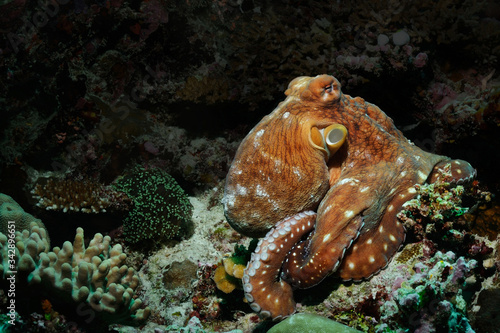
[(321, 180)]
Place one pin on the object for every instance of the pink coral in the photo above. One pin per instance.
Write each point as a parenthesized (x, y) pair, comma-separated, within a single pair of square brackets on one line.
[(442, 94), (420, 60)]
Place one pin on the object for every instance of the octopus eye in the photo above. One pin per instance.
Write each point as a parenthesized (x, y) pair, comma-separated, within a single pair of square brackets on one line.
[(329, 88)]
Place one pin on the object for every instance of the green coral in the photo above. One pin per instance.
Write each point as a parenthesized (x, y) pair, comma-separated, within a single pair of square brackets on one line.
[(438, 200), (432, 298), (161, 209)]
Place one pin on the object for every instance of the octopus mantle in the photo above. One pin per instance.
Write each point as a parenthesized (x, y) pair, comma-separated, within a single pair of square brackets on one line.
[(322, 178)]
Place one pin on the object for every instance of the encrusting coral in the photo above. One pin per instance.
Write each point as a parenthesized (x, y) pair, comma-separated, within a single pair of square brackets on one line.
[(10, 210), (161, 209), (436, 213), (432, 298), (95, 274)]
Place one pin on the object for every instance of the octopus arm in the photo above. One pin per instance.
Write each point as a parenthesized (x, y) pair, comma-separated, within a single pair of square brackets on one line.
[(375, 246), (267, 294), (340, 221)]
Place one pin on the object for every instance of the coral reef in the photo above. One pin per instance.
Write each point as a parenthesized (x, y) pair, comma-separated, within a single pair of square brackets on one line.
[(161, 210), (437, 213), (432, 297), (92, 89), (94, 275), (483, 312)]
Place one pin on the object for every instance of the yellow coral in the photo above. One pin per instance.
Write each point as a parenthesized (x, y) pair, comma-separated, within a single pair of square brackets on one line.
[(410, 253), (223, 280), (232, 268), (206, 89), (228, 275), (238, 271)]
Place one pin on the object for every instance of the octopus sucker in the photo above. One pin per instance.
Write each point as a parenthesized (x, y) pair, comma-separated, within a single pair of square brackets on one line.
[(282, 304), (325, 260), (321, 179)]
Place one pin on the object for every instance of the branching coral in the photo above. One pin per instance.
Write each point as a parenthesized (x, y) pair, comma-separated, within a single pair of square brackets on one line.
[(25, 248), (95, 274), (86, 196), (161, 210)]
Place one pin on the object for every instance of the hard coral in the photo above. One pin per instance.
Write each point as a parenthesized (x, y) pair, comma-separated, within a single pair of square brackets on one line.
[(28, 245), (95, 274), (161, 210), (10, 210), (86, 196)]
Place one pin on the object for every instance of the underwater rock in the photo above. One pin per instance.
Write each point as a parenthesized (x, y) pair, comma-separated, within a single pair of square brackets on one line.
[(180, 274)]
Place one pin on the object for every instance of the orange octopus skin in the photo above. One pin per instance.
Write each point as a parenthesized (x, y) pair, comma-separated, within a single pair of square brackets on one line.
[(322, 215)]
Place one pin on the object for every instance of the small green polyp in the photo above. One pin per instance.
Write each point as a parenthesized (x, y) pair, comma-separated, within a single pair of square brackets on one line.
[(310, 323)]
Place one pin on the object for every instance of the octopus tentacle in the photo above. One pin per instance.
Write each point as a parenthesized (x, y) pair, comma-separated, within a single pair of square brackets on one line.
[(267, 294), (461, 171), (304, 268)]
